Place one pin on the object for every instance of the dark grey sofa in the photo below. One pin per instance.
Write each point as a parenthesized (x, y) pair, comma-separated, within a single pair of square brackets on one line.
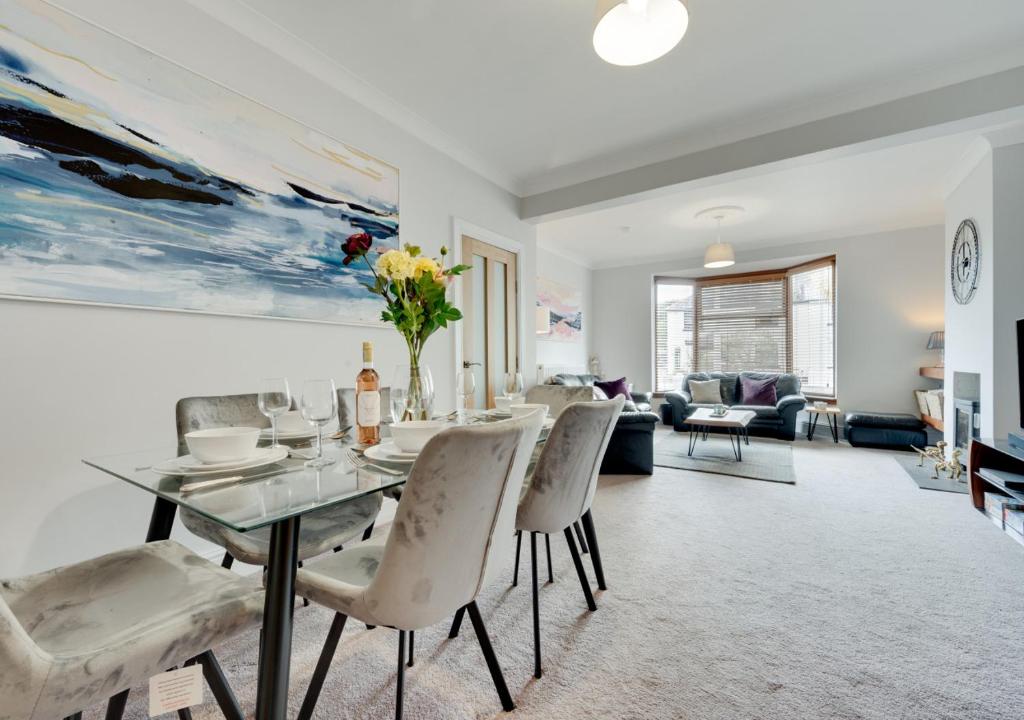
[(778, 421), (641, 400)]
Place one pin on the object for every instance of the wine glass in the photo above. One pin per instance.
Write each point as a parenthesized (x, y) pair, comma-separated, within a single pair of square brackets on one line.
[(398, 404), (319, 406), (275, 399), (465, 384), (513, 384)]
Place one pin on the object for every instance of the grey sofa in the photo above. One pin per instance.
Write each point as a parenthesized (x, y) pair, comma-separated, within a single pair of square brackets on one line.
[(641, 400), (778, 421)]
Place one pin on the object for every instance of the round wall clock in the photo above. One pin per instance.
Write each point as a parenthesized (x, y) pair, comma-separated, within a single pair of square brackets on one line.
[(965, 263)]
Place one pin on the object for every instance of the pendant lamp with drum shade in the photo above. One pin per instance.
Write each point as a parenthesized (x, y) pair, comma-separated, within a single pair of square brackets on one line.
[(719, 254), (634, 32)]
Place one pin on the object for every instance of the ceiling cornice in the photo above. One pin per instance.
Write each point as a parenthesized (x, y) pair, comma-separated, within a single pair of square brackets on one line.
[(259, 28)]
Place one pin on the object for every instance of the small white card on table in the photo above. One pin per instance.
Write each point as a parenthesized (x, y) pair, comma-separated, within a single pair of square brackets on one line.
[(174, 690)]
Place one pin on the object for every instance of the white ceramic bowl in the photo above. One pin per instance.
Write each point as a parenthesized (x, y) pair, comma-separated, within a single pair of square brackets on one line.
[(527, 408), (227, 444), (411, 435), (292, 422), (502, 402)]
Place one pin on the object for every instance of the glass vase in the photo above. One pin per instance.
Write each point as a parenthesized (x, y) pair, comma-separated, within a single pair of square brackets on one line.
[(412, 393)]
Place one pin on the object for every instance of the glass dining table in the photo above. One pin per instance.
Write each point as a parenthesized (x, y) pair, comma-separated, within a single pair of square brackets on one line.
[(277, 496)]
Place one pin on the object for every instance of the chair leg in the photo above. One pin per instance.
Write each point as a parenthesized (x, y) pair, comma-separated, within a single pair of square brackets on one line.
[(116, 706), (412, 647), (595, 551), (401, 675), (76, 716), (492, 661), (536, 607), (184, 714), (305, 601), (338, 549), (228, 561), (457, 623), (579, 535), (547, 544), (366, 533), (220, 687), (580, 571), (316, 683), (519, 545)]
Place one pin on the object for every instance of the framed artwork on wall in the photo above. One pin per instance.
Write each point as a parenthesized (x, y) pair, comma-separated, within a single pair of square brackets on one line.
[(128, 180), (563, 307)]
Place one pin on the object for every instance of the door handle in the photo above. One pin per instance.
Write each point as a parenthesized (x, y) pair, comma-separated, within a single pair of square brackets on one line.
[(467, 364)]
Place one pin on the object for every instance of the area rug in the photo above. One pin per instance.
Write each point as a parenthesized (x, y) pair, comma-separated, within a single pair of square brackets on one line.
[(763, 459), (923, 475)]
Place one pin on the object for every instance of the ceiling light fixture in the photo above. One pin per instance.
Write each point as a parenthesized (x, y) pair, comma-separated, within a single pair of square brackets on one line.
[(719, 254), (635, 32)]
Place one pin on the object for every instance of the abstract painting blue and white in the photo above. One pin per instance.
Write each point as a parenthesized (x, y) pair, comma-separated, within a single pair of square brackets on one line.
[(128, 180)]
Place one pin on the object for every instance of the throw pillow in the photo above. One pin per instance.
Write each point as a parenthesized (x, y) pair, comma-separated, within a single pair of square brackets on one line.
[(758, 391), (612, 388), (706, 391), (599, 394)]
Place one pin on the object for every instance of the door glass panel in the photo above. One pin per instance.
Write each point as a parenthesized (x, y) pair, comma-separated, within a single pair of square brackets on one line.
[(496, 311), (478, 353)]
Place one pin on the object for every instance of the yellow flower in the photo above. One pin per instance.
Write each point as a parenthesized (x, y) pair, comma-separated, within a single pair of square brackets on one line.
[(396, 265), (424, 265)]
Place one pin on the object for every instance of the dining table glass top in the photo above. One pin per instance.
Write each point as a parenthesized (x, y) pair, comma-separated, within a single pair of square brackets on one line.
[(269, 494)]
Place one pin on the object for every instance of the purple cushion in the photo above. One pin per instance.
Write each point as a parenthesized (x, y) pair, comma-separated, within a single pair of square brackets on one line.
[(758, 391), (612, 388)]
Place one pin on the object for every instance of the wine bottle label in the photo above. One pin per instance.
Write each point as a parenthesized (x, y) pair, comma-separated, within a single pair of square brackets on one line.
[(368, 408)]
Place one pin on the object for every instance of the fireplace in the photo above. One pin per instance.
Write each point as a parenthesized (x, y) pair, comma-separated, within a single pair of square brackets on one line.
[(967, 421)]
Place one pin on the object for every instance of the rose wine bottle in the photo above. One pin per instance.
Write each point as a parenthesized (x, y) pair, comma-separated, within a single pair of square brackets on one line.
[(368, 400)]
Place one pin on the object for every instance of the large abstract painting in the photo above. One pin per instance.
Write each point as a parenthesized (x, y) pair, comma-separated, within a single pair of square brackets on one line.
[(563, 311), (126, 179)]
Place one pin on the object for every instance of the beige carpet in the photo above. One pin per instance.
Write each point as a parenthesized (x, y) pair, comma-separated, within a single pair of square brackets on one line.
[(852, 594)]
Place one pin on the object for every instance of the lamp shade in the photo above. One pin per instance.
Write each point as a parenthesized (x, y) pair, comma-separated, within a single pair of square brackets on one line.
[(719, 255), (543, 320), (634, 32), (937, 340)]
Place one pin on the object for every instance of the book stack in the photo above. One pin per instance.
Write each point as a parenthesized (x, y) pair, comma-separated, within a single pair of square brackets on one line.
[(1006, 509)]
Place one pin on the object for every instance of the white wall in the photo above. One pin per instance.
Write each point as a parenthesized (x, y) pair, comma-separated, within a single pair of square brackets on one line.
[(550, 353), (888, 294), (86, 381), (1008, 306)]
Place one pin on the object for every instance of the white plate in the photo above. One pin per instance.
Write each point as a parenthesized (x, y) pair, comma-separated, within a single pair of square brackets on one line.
[(188, 466), (387, 451), (266, 433), (495, 412)]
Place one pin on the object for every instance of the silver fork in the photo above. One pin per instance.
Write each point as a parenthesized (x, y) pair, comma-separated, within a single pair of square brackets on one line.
[(362, 463)]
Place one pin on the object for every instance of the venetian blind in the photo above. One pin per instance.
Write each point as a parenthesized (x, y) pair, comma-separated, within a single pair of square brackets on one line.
[(812, 309), (741, 324), (673, 332)]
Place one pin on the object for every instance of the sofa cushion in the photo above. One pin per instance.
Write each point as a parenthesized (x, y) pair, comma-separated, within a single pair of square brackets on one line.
[(895, 421), (571, 380), (767, 412), (706, 391), (758, 391), (614, 388), (730, 386)]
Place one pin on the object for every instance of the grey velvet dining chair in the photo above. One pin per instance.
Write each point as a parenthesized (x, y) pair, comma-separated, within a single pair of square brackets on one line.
[(323, 530), (458, 505), (84, 634)]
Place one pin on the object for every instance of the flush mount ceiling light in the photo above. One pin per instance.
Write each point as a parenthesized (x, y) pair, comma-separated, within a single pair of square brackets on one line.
[(719, 254), (634, 32)]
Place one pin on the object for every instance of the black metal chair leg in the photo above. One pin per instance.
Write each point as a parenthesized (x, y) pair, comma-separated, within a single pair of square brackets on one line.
[(401, 675), (220, 687), (579, 535), (492, 661), (367, 532), (184, 714), (457, 623), (537, 672), (316, 683), (412, 647), (338, 549), (547, 545), (76, 716), (519, 545), (595, 552), (228, 561), (116, 706), (580, 571)]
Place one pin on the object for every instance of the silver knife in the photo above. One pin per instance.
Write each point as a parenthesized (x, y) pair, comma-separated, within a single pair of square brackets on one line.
[(217, 482)]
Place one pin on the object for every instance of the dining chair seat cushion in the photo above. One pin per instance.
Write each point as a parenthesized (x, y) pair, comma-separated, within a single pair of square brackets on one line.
[(107, 624), (319, 531), (338, 581)]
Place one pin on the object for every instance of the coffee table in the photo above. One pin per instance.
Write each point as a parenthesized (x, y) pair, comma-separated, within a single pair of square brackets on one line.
[(735, 423)]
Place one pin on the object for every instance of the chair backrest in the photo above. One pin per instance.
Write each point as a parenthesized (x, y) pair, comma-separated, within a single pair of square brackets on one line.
[(436, 553), (572, 380), (559, 397), (565, 478), (347, 406), (199, 413), (24, 667)]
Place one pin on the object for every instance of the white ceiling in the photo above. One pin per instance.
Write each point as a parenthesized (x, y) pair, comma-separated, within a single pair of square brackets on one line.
[(518, 86), (889, 189)]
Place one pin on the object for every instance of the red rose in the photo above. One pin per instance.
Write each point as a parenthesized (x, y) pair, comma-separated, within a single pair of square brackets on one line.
[(356, 246)]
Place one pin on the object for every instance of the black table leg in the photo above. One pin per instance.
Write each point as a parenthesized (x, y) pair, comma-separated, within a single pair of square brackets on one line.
[(812, 425), (276, 648), (161, 520), (833, 425)]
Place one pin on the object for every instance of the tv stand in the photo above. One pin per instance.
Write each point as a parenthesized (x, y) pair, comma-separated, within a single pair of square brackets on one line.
[(993, 455)]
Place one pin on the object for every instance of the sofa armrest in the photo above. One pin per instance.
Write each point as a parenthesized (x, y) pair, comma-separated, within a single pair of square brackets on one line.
[(641, 397), (679, 401), (786, 401), (637, 418)]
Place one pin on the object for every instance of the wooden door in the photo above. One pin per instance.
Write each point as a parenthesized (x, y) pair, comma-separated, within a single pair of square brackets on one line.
[(490, 342)]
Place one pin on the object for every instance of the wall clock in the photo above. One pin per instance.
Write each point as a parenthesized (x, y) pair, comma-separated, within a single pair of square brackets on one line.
[(965, 262)]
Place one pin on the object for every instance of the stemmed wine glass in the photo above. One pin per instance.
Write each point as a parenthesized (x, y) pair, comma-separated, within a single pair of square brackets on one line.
[(465, 383), (275, 399), (319, 406), (513, 384)]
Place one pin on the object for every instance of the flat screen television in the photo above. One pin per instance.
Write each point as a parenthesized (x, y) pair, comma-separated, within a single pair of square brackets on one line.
[(1016, 440)]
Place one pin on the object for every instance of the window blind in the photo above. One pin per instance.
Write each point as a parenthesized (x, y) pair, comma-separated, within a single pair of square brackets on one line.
[(812, 308), (673, 332), (741, 324)]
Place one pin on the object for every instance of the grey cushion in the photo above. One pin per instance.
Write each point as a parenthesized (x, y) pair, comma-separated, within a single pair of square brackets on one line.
[(706, 391)]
